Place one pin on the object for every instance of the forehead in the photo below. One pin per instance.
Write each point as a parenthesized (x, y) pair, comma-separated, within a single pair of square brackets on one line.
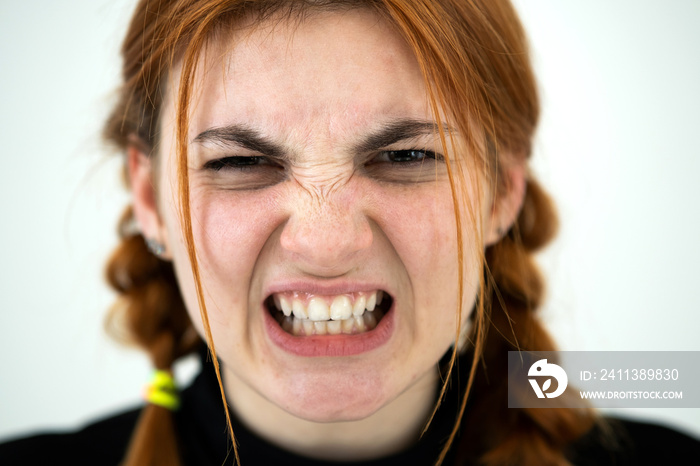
[(330, 72)]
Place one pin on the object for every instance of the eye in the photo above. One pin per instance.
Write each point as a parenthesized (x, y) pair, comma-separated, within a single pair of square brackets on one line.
[(405, 166), (235, 163), (243, 172), (404, 156)]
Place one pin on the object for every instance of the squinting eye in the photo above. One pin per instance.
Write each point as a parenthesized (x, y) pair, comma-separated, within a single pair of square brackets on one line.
[(407, 157), (402, 156), (240, 173), (405, 166), (235, 163)]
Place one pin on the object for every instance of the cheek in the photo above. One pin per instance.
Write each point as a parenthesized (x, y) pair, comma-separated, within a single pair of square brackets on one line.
[(230, 229), (226, 223), (420, 226), (419, 223)]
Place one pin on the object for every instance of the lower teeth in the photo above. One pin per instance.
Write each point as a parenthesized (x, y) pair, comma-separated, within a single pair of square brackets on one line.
[(354, 325)]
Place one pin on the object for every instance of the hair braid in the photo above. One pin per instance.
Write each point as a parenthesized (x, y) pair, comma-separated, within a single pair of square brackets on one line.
[(516, 289), (150, 313)]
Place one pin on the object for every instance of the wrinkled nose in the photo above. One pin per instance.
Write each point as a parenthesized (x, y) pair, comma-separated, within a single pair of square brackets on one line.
[(326, 237)]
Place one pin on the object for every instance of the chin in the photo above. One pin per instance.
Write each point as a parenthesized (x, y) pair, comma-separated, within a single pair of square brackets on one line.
[(350, 397)]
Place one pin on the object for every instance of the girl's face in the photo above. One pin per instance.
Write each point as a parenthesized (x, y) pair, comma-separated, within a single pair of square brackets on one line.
[(321, 214)]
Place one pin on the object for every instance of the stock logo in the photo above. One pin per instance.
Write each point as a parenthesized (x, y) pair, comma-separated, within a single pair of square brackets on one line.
[(543, 369)]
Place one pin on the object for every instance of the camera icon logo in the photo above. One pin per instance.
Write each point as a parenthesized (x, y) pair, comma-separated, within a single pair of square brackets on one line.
[(543, 369)]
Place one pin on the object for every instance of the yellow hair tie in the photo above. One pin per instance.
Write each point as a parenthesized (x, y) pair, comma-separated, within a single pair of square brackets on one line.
[(162, 390)]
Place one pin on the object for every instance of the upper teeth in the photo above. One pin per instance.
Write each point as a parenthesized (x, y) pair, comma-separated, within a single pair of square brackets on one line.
[(319, 308)]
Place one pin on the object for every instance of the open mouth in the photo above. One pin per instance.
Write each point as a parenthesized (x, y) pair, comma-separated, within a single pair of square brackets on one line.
[(304, 314)]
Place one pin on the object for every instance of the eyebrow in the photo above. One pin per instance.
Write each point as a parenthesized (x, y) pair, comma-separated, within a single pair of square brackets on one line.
[(243, 136), (397, 131), (251, 139)]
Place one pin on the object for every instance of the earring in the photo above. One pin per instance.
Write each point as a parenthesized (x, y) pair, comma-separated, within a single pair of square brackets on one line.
[(157, 248)]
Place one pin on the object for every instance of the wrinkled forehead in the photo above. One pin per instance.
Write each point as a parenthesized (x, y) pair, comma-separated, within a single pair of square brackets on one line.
[(344, 70)]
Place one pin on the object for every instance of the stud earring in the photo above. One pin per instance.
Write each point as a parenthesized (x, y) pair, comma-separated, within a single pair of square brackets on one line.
[(157, 248)]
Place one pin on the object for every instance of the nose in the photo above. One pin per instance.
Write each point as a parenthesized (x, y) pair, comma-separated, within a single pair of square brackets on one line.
[(327, 237)]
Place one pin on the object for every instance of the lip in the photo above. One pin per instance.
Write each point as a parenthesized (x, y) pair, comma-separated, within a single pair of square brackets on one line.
[(328, 345)]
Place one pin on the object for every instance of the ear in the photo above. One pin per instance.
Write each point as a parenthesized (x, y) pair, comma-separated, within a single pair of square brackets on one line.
[(506, 207), (141, 176)]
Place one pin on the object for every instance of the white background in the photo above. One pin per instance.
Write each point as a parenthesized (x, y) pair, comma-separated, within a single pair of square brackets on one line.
[(617, 147)]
